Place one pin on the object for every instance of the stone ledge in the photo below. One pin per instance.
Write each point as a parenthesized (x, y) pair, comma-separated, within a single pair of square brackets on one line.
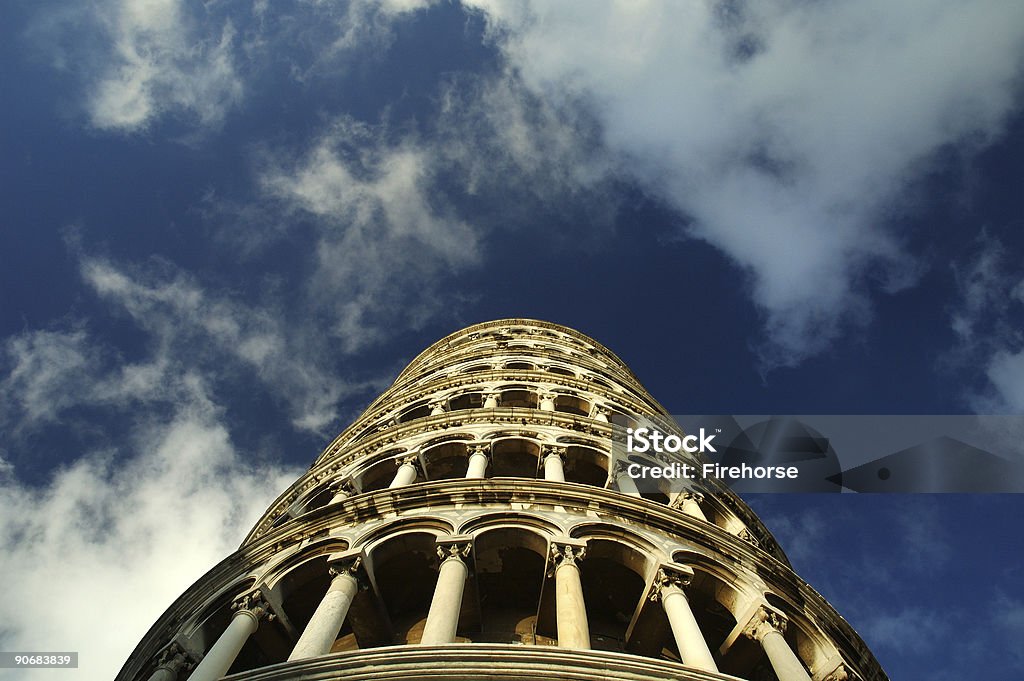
[(483, 661)]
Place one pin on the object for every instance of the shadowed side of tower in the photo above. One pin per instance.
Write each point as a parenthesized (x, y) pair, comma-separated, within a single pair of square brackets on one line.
[(477, 521)]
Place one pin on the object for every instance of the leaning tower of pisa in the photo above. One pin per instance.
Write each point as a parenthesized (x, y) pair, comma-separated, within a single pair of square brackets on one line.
[(477, 522)]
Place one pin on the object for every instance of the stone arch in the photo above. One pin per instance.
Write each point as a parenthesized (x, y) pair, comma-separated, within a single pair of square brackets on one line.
[(518, 396), (381, 472), (587, 465), (514, 457), (510, 560), (560, 370), (416, 410), (445, 461), (471, 399), (403, 568), (573, 404), (614, 577)]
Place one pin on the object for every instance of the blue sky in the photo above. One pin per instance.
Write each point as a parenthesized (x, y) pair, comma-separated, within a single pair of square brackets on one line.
[(227, 226)]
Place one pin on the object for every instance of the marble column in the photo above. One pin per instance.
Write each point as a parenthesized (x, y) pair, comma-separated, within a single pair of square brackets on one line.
[(477, 462), (601, 414), (324, 626), (767, 628), (249, 610), (570, 608), (436, 408), (547, 402), (625, 484), (406, 474), (554, 463), (692, 646), (445, 606), (491, 400)]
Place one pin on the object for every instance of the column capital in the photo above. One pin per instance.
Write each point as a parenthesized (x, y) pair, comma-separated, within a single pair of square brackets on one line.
[(454, 548), (253, 605), (556, 450), (620, 467), (483, 448), (566, 552), (343, 487), (410, 459), (765, 621), (683, 497), (175, 658), (348, 565), (669, 575)]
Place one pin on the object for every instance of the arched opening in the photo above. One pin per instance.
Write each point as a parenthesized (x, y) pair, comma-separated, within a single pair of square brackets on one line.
[(415, 412), (613, 584), (514, 458), (520, 366), (561, 371), (379, 475), (303, 588), (519, 398), (473, 400), (586, 465), (510, 575), (318, 500), (570, 404), (477, 367), (446, 461), (619, 419), (405, 569)]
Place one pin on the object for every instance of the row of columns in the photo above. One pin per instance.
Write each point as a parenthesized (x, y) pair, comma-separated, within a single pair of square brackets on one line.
[(546, 402), (767, 626), (553, 462), (553, 465)]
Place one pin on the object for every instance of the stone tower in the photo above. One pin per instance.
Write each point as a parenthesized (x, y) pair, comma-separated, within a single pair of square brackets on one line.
[(477, 522)]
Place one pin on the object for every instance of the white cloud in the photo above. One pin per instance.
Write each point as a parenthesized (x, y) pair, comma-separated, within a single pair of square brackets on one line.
[(162, 60), (383, 241), (94, 557), (786, 130)]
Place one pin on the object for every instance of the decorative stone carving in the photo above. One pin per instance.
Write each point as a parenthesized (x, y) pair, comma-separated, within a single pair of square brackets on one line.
[(765, 621)]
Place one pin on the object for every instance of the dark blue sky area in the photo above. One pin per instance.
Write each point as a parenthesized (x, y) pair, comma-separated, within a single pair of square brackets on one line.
[(227, 228)]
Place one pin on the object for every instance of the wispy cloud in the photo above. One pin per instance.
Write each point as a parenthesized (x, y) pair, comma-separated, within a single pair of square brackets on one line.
[(384, 241), (191, 327), (986, 320), (139, 61)]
